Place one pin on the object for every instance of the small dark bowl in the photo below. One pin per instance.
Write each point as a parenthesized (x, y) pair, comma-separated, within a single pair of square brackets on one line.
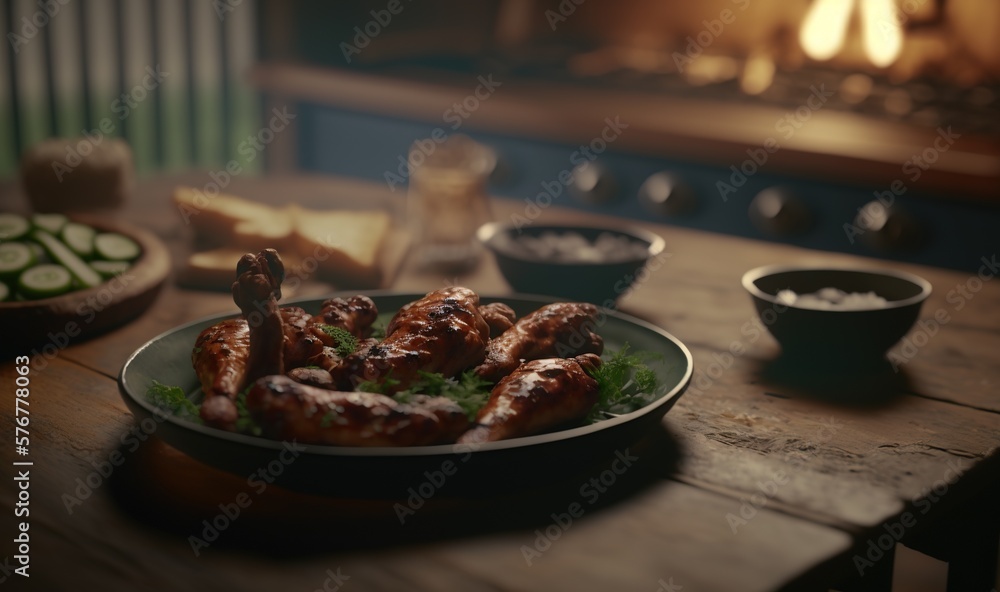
[(836, 335), (599, 283)]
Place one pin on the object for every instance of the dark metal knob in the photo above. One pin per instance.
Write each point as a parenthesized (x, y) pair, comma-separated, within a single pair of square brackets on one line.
[(887, 228), (593, 183), (779, 212), (666, 194)]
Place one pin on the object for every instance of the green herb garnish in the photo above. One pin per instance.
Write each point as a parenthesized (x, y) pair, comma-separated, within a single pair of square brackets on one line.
[(468, 390), (626, 383), (381, 387), (346, 344), (172, 399), (245, 424)]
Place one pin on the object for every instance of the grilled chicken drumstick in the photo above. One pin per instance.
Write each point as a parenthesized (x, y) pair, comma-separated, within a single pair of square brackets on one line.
[(538, 396), (220, 361), (563, 330), (256, 291), (288, 410), (230, 354)]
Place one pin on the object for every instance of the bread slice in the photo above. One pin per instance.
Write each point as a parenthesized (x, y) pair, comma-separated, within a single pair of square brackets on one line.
[(343, 245), (216, 269), (234, 221)]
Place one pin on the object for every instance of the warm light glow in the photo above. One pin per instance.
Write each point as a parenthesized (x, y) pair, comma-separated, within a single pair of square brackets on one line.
[(882, 33), (825, 27)]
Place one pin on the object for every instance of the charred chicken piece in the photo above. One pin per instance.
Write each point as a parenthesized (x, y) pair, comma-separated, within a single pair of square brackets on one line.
[(540, 395), (498, 316), (305, 337), (256, 291), (316, 377), (288, 410), (441, 332), (300, 340), (220, 361), (563, 329), (306, 341), (355, 315)]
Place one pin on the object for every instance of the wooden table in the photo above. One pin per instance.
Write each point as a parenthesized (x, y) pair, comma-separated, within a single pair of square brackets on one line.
[(762, 479)]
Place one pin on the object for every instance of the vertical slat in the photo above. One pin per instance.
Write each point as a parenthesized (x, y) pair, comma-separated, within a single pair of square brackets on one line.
[(86, 74), (245, 102), (8, 147), (156, 96), (105, 82), (140, 87), (66, 74), (176, 135), (50, 80), (119, 18), (30, 78), (192, 101), (227, 93), (208, 74), (14, 101)]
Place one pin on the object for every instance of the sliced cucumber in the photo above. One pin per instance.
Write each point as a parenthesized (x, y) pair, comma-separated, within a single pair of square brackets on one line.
[(53, 223), (80, 238), (112, 246), (4, 292), (14, 258), (13, 227), (110, 269), (62, 254), (45, 281)]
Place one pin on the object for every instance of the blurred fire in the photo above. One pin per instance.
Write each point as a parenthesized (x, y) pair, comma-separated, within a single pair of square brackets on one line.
[(826, 26)]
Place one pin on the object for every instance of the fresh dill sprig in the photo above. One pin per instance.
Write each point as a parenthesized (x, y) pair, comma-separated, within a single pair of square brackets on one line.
[(173, 400), (625, 383)]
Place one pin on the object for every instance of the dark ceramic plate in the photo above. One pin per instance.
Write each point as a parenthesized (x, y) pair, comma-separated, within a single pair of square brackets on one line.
[(390, 472)]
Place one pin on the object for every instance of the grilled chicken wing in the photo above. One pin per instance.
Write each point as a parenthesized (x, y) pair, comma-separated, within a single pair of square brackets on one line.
[(355, 315), (560, 330), (498, 316), (288, 410), (305, 338), (538, 396), (441, 332), (308, 344)]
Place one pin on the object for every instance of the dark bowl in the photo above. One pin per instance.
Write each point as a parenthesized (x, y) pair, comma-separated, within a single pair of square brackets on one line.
[(836, 335), (583, 281)]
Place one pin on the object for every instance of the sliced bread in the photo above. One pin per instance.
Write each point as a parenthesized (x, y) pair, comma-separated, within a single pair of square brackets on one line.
[(233, 221), (343, 245)]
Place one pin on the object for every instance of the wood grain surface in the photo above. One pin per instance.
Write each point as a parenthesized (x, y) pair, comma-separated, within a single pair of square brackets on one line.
[(812, 463)]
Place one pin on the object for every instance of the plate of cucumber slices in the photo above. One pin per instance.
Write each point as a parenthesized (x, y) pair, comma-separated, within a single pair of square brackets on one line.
[(63, 278)]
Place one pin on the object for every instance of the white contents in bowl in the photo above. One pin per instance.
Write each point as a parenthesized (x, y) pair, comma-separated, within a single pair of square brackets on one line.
[(573, 247), (833, 299)]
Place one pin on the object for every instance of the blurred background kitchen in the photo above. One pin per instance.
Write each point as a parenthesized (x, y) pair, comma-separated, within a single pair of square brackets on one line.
[(867, 126)]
